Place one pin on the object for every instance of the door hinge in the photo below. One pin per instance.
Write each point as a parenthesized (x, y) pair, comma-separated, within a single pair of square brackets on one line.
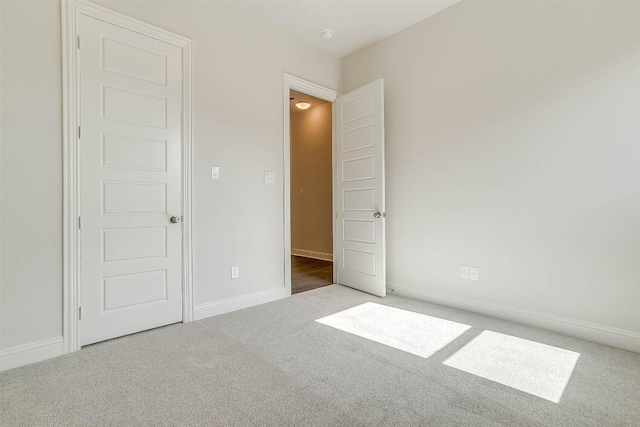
[(79, 132), (80, 223), (79, 313), (78, 42)]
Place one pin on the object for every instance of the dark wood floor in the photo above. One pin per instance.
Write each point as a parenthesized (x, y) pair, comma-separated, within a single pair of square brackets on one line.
[(308, 273)]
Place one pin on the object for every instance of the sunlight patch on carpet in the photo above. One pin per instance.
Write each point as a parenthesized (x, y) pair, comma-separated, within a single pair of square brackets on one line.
[(538, 369), (404, 330)]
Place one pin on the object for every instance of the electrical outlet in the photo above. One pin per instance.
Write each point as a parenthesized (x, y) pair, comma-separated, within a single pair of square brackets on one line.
[(464, 271), (475, 273), (235, 272), (215, 172)]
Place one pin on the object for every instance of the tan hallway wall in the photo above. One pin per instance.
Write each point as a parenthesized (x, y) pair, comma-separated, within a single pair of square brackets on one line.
[(311, 224)]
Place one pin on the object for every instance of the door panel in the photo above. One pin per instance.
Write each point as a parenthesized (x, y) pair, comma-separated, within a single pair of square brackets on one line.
[(360, 251), (359, 230), (131, 107), (134, 289), (122, 244), (133, 61), (134, 153), (130, 148)]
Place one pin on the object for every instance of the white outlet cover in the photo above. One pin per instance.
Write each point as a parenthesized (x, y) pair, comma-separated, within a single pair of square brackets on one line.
[(215, 172), (464, 271), (475, 273), (235, 272)]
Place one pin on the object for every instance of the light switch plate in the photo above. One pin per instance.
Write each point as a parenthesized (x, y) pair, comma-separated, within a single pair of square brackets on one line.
[(235, 272), (215, 172), (464, 271), (269, 177)]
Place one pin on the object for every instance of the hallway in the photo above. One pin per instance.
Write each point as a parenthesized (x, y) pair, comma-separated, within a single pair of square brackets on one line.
[(309, 273)]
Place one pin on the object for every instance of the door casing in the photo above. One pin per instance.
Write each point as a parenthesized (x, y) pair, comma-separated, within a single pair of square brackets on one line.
[(71, 10), (309, 88)]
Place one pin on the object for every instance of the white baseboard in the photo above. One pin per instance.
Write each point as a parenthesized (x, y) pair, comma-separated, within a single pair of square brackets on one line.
[(621, 338), (312, 254), (202, 311), (31, 353)]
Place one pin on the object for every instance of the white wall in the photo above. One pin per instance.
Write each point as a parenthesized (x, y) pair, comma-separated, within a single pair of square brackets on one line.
[(238, 125), (513, 144), (31, 173)]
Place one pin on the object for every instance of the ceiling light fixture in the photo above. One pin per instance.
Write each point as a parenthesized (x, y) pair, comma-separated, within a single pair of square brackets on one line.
[(327, 34), (303, 105)]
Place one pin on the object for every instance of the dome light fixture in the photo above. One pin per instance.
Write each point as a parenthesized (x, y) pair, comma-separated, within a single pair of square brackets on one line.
[(303, 105), (327, 34)]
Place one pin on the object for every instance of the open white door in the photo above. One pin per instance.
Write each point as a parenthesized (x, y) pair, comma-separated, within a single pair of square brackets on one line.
[(360, 237)]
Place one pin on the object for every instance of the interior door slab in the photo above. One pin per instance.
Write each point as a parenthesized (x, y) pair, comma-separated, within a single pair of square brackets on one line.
[(360, 189), (130, 162)]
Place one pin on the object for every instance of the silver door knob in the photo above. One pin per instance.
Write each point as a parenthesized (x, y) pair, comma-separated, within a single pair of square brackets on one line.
[(377, 215), (174, 219)]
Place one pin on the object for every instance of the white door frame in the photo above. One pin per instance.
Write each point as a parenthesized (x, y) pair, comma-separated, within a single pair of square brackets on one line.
[(71, 10), (304, 86)]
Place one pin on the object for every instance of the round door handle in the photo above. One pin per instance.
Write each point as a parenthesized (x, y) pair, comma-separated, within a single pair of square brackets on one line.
[(175, 219), (377, 215)]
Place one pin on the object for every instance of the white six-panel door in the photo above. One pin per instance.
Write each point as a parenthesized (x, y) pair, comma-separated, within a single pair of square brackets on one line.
[(360, 231), (130, 167)]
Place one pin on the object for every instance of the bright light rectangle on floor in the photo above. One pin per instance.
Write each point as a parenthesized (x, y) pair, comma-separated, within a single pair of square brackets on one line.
[(538, 369), (411, 332)]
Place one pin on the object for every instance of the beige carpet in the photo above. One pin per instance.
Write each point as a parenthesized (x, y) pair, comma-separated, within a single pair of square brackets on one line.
[(274, 365)]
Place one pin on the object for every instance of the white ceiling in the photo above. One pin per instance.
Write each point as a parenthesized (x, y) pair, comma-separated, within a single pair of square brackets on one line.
[(356, 23)]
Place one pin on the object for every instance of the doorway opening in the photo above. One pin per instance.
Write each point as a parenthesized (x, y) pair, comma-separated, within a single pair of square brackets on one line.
[(311, 191), (358, 178)]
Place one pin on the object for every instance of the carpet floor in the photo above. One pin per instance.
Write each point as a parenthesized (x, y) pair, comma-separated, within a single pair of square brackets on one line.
[(274, 365)]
